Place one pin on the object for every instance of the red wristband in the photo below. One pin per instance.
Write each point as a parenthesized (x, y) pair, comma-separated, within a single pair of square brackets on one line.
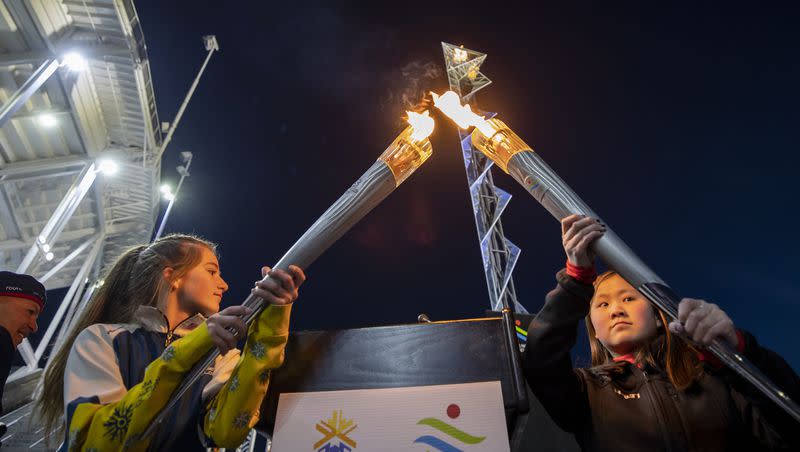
[(713, 360), (583, 274), (739, 341)]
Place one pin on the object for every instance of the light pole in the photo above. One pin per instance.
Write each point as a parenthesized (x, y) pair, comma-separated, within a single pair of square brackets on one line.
[(211, 45), (167, 193)]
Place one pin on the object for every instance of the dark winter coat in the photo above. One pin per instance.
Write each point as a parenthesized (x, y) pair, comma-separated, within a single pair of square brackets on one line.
[(639, 408)]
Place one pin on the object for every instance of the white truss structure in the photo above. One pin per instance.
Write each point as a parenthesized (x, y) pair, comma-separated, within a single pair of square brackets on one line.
[(499, 254), (53, 141)]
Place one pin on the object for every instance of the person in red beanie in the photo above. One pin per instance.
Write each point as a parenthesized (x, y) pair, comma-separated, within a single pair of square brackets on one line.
[(22, 299)]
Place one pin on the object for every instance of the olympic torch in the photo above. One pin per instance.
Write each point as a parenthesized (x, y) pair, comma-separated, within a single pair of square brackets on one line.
[(507, 150), (403, 156)]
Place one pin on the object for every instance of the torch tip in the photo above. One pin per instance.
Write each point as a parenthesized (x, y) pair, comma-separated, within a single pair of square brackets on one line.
[(421, 123)]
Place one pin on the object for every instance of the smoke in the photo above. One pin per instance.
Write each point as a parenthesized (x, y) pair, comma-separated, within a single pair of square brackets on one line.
[(414, 80)]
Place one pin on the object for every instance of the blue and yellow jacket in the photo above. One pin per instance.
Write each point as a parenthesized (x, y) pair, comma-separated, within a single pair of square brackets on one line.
[(119, 376)]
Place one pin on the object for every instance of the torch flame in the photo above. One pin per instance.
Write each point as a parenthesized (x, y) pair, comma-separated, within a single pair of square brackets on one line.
[(422, 125), (450, 104), (410, 148)]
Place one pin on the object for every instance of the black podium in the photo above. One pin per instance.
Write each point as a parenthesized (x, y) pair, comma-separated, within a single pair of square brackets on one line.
[(450, 352)]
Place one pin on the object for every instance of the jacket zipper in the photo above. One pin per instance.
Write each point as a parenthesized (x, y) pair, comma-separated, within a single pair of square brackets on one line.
[(657, 408)]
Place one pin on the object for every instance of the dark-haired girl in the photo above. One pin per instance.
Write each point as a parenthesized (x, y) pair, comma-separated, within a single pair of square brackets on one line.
[(648, 388)]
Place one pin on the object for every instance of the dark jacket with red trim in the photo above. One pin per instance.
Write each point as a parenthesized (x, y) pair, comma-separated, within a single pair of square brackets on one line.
[(6, 357), (640, 409)]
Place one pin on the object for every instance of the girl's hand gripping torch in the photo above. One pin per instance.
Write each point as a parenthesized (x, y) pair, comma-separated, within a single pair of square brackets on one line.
[(499, 143)]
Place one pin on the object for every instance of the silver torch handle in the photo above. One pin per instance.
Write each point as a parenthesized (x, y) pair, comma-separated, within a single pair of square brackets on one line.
[(403, 156), (533, 173)]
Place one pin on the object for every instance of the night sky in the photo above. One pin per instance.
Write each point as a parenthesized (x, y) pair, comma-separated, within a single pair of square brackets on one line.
[(679, 126)]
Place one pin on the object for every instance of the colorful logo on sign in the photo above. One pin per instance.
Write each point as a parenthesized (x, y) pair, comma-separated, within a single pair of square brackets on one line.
[(453, 412), (336, 430)]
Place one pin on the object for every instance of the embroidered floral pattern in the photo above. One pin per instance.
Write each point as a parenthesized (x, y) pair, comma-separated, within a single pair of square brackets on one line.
[(168, 354), (147, 390), (241, 420), (258, 350), (212, 414), (117, 425), (263, 377), (234, 384)]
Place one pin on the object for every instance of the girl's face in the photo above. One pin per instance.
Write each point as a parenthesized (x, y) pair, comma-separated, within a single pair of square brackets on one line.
[(622, 318), (200, 289)]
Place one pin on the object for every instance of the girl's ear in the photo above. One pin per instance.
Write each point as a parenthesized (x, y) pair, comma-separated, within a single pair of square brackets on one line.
[(167, 274)]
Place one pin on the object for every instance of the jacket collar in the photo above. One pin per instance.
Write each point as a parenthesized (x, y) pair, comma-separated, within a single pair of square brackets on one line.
[(629, 358), (154, 320)]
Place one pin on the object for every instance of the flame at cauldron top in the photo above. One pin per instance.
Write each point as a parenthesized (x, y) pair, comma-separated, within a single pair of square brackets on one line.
[(450, 104)]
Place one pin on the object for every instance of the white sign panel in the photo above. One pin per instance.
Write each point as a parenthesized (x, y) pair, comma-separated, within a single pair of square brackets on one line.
[(447, 418)]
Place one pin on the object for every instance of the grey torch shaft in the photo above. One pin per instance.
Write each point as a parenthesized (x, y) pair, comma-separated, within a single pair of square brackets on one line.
[(533, 173), (366, 193)]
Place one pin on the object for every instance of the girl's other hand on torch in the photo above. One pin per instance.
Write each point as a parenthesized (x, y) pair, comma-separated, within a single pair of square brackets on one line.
[(282, 287), (703, 322), (578, 232)]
